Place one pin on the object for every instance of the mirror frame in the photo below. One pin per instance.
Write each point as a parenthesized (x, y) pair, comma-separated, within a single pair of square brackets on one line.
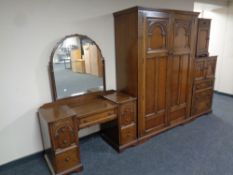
[(51, 70)]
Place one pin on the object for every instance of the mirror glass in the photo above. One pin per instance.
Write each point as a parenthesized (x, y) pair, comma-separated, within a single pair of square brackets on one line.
[(77, 66)]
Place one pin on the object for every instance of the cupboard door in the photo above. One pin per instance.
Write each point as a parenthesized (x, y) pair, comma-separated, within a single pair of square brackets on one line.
[(210, 65), (155, 72), (63, 134), (202, 102), (200, 69), (127, 114), (203, 37), (180, 67)]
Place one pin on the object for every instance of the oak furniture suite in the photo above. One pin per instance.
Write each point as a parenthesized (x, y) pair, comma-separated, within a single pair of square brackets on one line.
[(165, 78)]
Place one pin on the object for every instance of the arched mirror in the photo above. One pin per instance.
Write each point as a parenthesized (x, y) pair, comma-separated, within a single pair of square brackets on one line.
[(76, 67)]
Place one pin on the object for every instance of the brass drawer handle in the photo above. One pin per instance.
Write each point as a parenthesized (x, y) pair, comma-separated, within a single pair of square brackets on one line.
[(67, 159)]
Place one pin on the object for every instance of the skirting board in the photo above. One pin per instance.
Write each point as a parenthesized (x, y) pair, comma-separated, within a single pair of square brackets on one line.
[(223, 93), (21, 160)]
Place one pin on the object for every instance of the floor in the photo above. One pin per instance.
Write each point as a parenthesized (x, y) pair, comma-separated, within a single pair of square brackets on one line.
[(203, 147)]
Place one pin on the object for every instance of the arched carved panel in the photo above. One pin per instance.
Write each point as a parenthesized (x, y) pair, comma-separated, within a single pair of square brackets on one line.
[(182, 35), (156, 34)]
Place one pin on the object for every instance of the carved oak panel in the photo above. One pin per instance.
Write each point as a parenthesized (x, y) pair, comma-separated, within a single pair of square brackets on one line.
[(127, 113), (157, 37), (182, 34), (63, 134)]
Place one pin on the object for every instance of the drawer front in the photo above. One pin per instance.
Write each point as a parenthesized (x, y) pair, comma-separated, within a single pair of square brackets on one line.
[(204, 23), (201, 106), (203, 95), (128, 134), (97, 118), (127, 113), (67, 159), (199, 85), (63, 134), (202, 102)]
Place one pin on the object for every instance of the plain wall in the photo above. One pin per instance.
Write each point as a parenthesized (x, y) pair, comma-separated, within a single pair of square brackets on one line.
[(29, 30), (225, 83)]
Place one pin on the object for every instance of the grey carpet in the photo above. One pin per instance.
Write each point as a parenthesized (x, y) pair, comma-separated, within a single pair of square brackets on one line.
[(202, 147)]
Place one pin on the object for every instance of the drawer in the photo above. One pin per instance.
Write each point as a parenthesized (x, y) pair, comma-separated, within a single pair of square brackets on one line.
[(202, 102), (67, 159), (204, 23), (127, 113), (199, 85), (63, 134), (203, 95), (201, 106), (128, 134), (97, 118)]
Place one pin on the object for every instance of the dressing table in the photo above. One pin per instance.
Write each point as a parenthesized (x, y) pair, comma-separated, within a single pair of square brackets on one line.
[(61, 119)]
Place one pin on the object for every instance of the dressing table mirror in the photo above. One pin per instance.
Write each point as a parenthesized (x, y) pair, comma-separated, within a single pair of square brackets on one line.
[(79, 101), (76, 67)]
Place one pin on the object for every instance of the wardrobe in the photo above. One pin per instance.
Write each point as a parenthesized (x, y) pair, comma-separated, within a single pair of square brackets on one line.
[(155, 62)]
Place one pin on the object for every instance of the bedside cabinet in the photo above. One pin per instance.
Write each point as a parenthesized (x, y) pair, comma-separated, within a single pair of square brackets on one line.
[(122, 133)]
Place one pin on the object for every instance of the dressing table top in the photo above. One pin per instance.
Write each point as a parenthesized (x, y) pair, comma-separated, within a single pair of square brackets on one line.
[(59, 112), (119, 97), (55, 113), (95, 106)]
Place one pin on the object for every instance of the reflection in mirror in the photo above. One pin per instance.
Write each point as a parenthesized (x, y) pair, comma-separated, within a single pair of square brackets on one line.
[(77, 66)]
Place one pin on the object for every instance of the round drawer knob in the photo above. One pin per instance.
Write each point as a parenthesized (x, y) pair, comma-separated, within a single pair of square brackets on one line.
[(67, 159)]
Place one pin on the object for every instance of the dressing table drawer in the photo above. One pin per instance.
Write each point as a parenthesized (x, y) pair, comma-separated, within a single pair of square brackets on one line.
[(63, 133), (97, 118), (67, 159)]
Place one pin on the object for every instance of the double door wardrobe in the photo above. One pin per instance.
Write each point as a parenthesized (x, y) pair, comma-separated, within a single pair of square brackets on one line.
[(155, 62)]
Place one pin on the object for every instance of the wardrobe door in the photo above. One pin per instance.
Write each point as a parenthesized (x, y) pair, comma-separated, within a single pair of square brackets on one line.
[(180, 67), (155, 61)]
